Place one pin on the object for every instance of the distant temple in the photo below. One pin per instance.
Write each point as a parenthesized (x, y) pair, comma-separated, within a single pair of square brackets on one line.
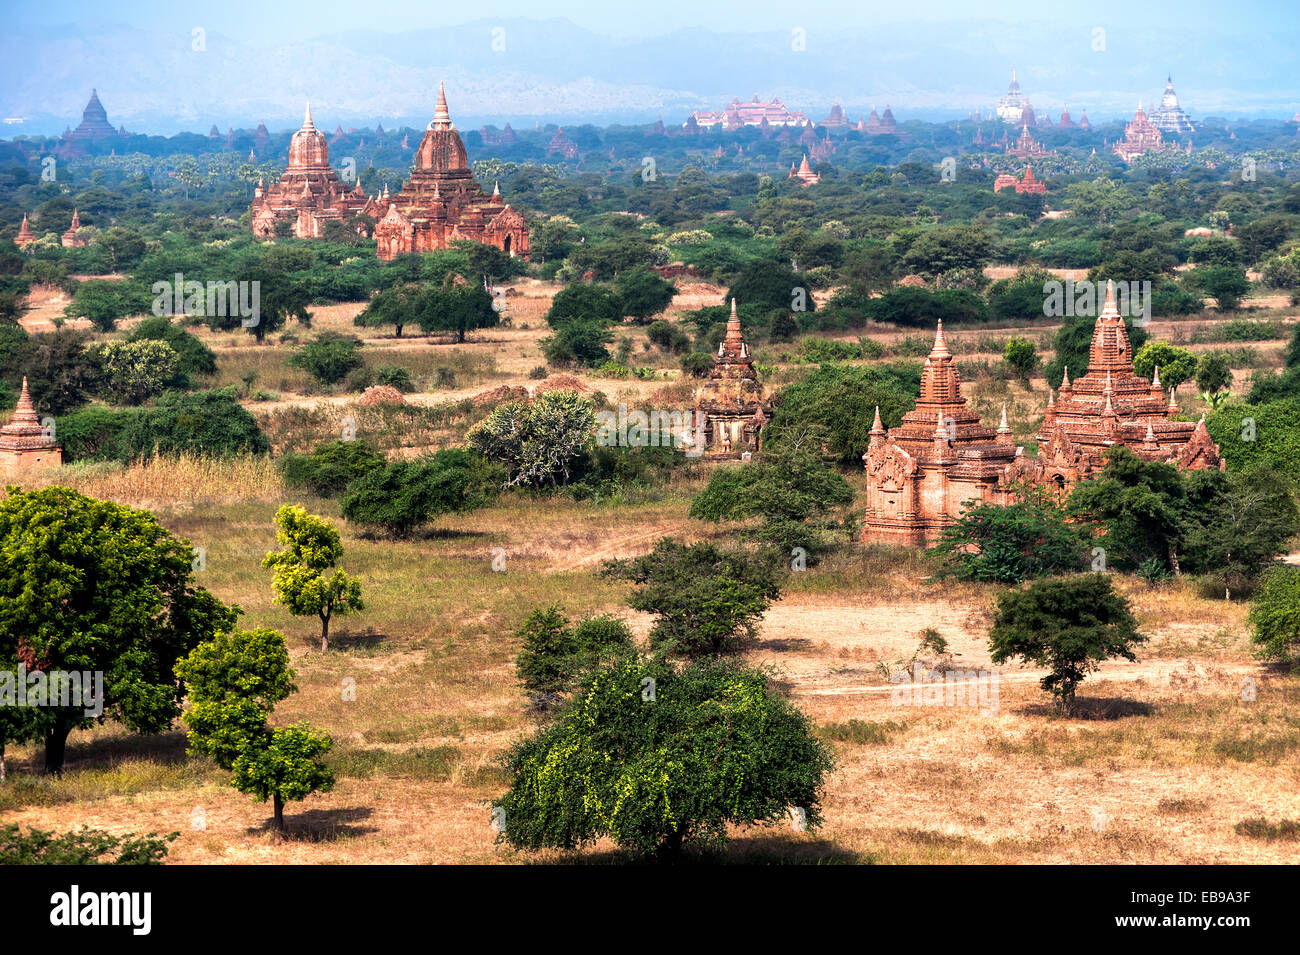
[(737, 114), (804, 173), (23, 442), (1026, 184), (1170, 118), (1140, 136), (309, 192), (70, 239), (1011, 108), (836, 118), (93, 128), (922, 474), (25, 236), (1025, 147), (560, 144), (879, 125), (731, 409), (1065, 121), (441, 203)]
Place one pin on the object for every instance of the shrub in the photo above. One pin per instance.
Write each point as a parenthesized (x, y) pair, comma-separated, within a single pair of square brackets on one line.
[(1275, 615), (329, 358), (205, 422), (408, 494), (131, 372), (85, 846), (331, 467), (697, 364), (539, 443)]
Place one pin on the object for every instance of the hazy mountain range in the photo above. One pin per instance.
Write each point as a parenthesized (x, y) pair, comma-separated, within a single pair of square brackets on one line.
[(528, 71)]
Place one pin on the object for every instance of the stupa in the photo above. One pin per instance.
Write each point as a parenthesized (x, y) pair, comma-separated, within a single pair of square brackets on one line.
[(24, 443), (732, 408)]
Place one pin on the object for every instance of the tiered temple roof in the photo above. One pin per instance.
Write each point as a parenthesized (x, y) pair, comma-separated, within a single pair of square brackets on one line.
[(737, 114), (732, 408), (1170, 118), (441, 203), (1140, 136), (804, 173), (1011, 108), (70, 239), (23, 442), (25, 236), (94, 127)]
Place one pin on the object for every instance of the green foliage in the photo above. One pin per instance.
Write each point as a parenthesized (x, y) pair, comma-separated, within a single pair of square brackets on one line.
[(104, 302), (405, 495), (770, 284), (1275, 615), (196, 358), (555, 655), (234, 682), (134, 371), (706, 601), (1021, 358), (84, 846), (1069, 625), (947, 248), (643, 293), (93, 585), (669, 336), (331, 466), (398, 306), (456, 308), (586, 304), (60, 373), (1226, 284), (711, 746), (329, 358), (843, 400), (697, 364), (311, 548), (578, 342), (829, 349), (204, 422), (540, 442), (1212, 372), (1259, 435), (1010, 544)]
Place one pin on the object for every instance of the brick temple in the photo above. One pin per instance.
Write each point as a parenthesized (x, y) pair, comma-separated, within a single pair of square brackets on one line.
[(923, 473), (441, 203), (732, 408), (24, 444), (309, 193)]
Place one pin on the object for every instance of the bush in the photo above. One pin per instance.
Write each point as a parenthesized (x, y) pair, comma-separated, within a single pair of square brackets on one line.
[(555, 655), (578, 343), (408, 494), (196, 358), (669, 336), (329, 358), (205, 422), (330, 467), (538, 443), (1275, 615), (1010, 544), (697, 364), (131, 372), (395, 377), (85, 846)]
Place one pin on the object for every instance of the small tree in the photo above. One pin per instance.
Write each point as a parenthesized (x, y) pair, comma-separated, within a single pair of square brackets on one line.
[(131, 372), (408, 494), (1212, 372), (658, 760), (1068, 625), (234, 682), (1176, 365), (1227, 285), (705, 600), (539, 443), (103, 303), (643, 293), (311, 547), (457, 309), (1275, 615), (329, 358), (1010, 543), (1021, 357), (397, 306)]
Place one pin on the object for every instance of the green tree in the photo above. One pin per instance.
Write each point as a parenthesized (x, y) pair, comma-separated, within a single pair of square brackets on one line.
[(1212, 372), (196, 358), (329, 358), (698, 750), (946, 248), (1021, 358), (104, 302), (1226, 284), (706, 601), (91, 585), (578, 343), (331, 466), (312, 547), (553, 654), (398, 306), (85, 846), (585, 303), (234, 682), (204, 422), (539, 443), (457, 309), (1011, 543), (1176, 365), (405, 495), (1141, 505), (643, 293), (1275, 615), (1069, 625), (769, 284), (132, 372)]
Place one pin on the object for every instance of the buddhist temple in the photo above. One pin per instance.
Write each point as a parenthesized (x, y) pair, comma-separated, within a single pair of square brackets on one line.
[(70, 239), (1026, 184), (804, 173), (1011, 107), (25, 237), (836, 118), (737, 114), (941, 458), (1065, 120), (309, 193), (24, 443), (560, 145), (1170, 118), (94, 127), (1026, 147), (880, 125), (731, 409), (1140, 137), (441, 203), (1083, 121)]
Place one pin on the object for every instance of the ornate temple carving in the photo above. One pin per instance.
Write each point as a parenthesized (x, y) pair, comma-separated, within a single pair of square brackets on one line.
[(732, 407)]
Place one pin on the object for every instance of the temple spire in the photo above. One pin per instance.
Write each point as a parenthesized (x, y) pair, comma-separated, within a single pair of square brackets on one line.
[(306, 120), (940, 346), (441, 115)]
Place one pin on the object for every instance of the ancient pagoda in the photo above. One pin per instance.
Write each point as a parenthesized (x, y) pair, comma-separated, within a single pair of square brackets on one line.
[(731, 408), (1170, 118), (441, 203), (70, 239), (1011, 108), (309, 193), (804, 173), (93, 128), (25, 236), (1140, 136), (922, 473), (24, 444)]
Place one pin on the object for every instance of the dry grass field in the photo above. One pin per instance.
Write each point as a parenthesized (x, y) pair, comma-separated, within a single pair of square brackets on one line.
[(1167, 757)]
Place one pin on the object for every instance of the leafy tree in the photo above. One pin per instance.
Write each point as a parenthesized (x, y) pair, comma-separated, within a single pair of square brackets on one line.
[(329, 358), (1226, 284), (843, 399), (713, 747), (1212, 372), (1020, 357), (1011, 543), (331, 466), (234, 681), (584, 303), (84, 846), (398, 306), (1069, 625), (405, 495), (643, 293), (110, 591), (204, 422), (705, 600), (132, 372), (196, 358), (697, 364), (103, 303), (1263, 236), (1275, 615), (788, 487), (946, 248), (280, 298), (539, 443), (60, 373), (578, 343), (311, 548), (1142, 506), (554, 655), (771, 284), (456, 308), (1176, 365), (1263, 434)]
